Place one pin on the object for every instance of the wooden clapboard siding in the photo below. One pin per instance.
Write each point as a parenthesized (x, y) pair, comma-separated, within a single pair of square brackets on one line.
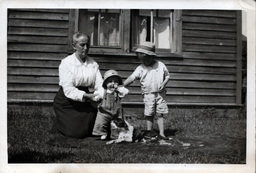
[(36, 71), (198, 69), (32, 79), (208, 27), (39, 15), (37, 41), (209, 34), (37, 31), (196, 84), (13, 22), (33, 63), (191, 91), (202, 84), (203, 41), (210, 13), (16, 55), (217, 20), (206, 48), (31, 95), (209, 56), (209, 37), (239, 59), (36, 47), (42, 87), (208, 71)]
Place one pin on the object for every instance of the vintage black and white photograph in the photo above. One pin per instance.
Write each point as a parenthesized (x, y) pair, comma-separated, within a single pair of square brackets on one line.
[(127, 86)]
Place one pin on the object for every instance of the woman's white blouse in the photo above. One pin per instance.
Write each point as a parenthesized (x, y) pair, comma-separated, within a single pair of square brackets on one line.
[(73, 73)]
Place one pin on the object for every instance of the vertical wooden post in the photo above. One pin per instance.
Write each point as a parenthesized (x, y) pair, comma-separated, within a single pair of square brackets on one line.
[(177, 32), (152, 26), (72, 27), (171, 34), (99, 24), (239, 58), (125, 30)]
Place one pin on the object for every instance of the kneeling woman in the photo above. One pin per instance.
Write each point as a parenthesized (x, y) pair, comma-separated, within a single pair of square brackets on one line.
[(75, 113)]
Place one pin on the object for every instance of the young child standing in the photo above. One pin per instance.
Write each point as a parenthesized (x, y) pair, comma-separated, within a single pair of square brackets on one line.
[(153, 76), (110, 107)]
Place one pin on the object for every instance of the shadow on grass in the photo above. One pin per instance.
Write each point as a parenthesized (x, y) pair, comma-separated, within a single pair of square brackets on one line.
[(170, 132), (36, 157)]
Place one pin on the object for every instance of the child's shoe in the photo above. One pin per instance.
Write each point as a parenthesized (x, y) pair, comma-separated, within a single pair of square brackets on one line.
[(162, 137), (103, 137)]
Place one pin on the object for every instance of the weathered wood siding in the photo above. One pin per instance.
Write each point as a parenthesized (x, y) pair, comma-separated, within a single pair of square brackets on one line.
[(37, 41), (207, 73), (210, 71)]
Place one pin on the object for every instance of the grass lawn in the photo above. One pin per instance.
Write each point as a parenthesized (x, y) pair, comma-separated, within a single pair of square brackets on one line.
[(198, 136)]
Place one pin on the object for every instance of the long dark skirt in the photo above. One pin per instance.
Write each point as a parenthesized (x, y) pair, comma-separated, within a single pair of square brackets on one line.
[(74, 119)]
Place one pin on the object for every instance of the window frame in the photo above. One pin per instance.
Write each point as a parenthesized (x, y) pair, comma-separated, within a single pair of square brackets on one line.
[(175, 47), (125, 47)]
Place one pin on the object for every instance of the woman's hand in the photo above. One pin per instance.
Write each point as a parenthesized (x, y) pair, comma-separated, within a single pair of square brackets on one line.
[(89, 96)]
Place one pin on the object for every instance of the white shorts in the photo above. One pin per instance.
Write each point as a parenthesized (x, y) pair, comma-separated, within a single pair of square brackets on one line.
[(154, 104)]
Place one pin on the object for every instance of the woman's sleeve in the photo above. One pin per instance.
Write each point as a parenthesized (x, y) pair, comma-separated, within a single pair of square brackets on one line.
[(67, 83), (98, 84)]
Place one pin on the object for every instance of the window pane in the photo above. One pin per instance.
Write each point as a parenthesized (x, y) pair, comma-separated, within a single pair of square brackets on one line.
[(162, 33), (91, 22), (102, 26), (153, 25), (144, 29), (109, 32)]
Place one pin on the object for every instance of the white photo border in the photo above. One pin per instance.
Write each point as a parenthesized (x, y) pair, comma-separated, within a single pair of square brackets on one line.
[(247, 6)]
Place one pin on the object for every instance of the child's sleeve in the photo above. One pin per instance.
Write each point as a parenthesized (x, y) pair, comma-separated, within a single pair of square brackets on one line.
[(136, 74), (166, 72)]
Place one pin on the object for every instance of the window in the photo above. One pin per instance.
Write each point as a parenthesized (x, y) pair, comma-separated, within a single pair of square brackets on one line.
[(121, 31), (103, 26), (155, 26)]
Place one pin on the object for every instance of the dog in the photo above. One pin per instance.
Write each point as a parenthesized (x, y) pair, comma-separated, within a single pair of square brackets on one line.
[(122, 131)]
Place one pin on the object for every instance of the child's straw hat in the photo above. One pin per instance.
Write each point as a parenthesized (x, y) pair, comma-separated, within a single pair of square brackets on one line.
[(147, 48), (111, 73)]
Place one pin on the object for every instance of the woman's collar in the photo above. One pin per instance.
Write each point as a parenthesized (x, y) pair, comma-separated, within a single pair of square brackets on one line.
[(79, 60)]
